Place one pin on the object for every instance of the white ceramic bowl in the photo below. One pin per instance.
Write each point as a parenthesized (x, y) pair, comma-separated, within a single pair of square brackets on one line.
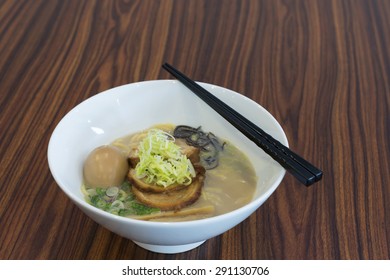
[(133, 107)]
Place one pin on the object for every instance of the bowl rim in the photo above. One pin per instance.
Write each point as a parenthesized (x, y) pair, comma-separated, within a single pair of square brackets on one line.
[(82, 203)]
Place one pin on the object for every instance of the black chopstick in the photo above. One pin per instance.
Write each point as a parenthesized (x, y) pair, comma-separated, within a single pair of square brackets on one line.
[(242, 124), (304, 171)]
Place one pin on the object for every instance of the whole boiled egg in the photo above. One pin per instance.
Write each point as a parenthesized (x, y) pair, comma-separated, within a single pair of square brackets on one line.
[(105, 166)]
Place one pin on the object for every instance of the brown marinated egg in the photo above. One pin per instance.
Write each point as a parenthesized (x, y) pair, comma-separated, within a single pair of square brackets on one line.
[(105, 166)]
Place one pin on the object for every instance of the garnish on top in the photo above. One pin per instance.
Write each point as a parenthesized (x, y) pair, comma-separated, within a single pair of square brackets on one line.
[(161, 161)]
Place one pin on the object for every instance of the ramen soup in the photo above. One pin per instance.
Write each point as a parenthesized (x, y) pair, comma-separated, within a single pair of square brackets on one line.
[(168, 173)]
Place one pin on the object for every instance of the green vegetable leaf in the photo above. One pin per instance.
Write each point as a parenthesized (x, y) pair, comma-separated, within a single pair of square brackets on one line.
[(125, 204)]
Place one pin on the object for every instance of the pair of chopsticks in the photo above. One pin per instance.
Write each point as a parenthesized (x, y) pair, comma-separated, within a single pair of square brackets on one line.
[(304, 171)]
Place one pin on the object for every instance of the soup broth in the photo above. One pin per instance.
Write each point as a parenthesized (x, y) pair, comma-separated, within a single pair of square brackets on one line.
[(228, 186)]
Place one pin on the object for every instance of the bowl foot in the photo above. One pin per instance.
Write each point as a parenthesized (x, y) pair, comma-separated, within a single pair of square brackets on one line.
[(169, 249)]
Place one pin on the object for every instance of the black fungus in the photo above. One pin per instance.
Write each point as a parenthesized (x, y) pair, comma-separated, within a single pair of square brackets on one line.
[(184, 131), (208, 143)]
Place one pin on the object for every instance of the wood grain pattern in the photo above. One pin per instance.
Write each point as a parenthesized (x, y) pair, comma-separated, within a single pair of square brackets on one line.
[(320, 67)]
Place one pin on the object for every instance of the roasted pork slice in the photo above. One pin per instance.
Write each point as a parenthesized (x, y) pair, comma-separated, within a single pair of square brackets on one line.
[(133, 158), (191, 152), (145, 187), (175, 199)]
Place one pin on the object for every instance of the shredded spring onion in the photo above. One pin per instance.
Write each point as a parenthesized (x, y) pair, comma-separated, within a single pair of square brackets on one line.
[(123, 203), (161, 161)]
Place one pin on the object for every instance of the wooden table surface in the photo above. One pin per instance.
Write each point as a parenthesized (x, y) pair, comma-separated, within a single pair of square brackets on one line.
[(320, 67)]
